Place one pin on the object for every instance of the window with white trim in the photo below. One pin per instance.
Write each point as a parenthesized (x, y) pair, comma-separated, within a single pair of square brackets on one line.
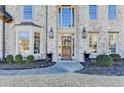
[(112, 12), (66, 16), (113, 42), (27, 12), (93, 37), (93, 12), (23, 42), (36, 42)]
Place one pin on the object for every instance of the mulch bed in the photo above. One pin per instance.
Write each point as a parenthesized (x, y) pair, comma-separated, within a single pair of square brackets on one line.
[(36, 64), (117, 69)]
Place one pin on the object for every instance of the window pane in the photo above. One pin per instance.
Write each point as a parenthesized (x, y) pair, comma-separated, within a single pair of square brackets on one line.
[(36, 42), (93, 12), (112, 42), (93, 42), (112, 12), (23, 42), (66, 17), (28, 12)]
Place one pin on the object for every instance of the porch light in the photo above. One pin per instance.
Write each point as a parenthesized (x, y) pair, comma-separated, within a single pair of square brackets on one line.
[(51, 34), (84, 33)]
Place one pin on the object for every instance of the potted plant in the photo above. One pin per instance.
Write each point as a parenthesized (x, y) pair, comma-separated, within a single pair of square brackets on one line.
[(49, 56)]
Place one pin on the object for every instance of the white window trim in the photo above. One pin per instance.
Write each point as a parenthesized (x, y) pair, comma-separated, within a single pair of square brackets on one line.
[(96, 14), (115, 42), (97, 43), (61, 27), (33, 42), (22, 14), (112, 20), (17, 45), (36, 55)]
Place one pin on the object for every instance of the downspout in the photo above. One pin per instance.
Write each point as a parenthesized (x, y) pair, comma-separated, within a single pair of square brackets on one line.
[(3, 41), (3, 47), (46, 27)]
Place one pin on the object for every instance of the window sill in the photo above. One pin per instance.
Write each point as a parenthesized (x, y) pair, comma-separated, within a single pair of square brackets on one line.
[(66, 27), (24, 20), (112, 21)]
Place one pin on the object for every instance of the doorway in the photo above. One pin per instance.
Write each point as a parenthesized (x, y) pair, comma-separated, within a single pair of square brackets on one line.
[(66, 47)]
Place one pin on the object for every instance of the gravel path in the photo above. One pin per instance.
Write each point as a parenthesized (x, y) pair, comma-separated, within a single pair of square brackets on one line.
[(62, 80)]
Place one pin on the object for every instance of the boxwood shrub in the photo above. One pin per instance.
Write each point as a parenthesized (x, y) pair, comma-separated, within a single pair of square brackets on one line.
[(30, 59), (104, 61), (18, 58), (9, 59), (115, 57)]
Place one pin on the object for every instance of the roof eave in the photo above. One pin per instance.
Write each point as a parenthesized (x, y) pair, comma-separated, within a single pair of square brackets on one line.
[(6, 16)]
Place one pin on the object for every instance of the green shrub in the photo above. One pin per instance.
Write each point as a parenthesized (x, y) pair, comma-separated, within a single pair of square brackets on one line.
[(9, 59), (18, 58), (30, 59), (115, 57), (104, 61)]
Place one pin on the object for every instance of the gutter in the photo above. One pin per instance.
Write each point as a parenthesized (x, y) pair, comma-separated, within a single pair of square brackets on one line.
[(46, 27)]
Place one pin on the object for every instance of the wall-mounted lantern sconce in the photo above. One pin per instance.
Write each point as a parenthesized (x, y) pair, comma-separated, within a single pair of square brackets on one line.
[(84, 33), (51, 34)]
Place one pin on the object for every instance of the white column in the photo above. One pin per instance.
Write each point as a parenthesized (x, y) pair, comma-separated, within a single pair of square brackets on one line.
[(17, 42), (31, 41)]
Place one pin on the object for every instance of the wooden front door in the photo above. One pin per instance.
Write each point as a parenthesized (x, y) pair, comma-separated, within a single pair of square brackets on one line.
[(66, 47)]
